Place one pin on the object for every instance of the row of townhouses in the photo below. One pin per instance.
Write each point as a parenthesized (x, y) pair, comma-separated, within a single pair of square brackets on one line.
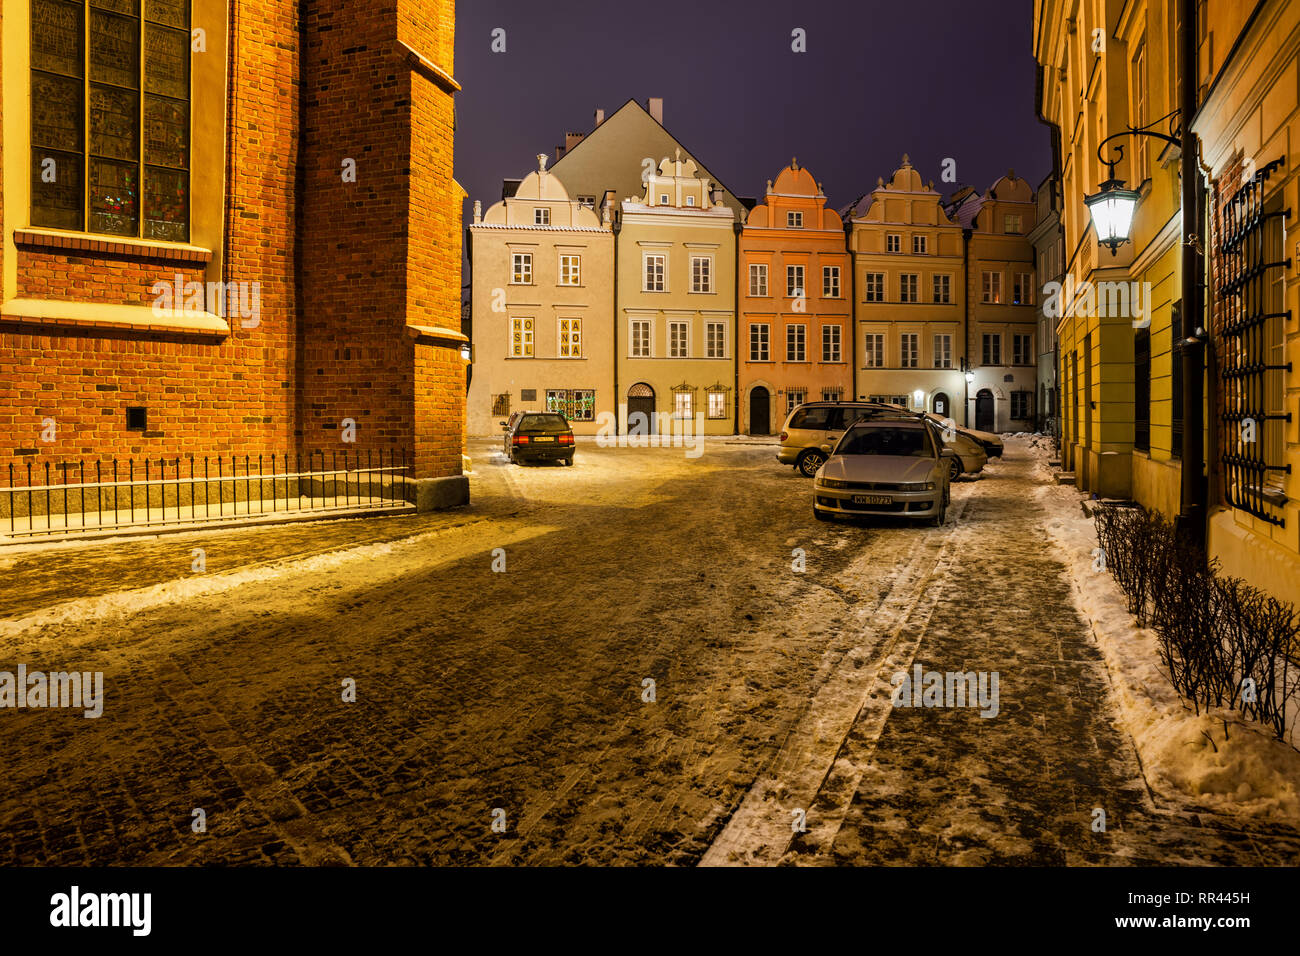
[(619, 287), (1184, 115)]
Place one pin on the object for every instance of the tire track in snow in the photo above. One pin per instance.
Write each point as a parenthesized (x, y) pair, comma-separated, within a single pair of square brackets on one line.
[(759, 832)]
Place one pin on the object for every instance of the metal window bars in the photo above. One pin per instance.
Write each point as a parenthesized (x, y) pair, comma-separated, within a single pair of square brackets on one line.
[(1249, 256), (49, 499)]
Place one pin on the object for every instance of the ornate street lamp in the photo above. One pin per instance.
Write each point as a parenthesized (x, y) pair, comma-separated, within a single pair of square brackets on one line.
[(1112, 212), (1112, 207)]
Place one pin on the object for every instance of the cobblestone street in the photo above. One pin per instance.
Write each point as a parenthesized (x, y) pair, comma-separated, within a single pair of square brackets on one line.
[(524, 691)]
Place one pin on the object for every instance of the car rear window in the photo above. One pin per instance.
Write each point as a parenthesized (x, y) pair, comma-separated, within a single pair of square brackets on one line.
[(815, 417), (900, 442), (543, 421)]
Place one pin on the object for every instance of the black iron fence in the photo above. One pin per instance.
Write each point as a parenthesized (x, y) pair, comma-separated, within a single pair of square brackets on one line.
[(74, 497)]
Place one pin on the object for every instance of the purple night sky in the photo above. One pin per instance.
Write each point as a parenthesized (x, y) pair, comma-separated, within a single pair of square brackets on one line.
[(931, 78)]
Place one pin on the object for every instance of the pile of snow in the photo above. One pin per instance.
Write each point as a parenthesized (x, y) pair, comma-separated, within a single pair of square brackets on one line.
[(1221, 760)]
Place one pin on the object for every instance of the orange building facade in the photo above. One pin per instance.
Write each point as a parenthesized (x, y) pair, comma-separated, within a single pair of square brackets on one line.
[(795, 310)]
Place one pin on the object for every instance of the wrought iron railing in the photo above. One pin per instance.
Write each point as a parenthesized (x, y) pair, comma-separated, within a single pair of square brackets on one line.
[(74, 498)]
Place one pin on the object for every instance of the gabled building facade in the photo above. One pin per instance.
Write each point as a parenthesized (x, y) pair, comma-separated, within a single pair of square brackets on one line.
[(676, 305), (796, 311), (909, 297), (543, 301), (1001, 292), (620, 151)]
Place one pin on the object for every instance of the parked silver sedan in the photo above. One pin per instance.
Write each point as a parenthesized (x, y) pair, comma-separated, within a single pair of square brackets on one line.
[(885, 467)]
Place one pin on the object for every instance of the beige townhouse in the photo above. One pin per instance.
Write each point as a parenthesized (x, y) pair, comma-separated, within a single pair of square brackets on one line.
[(676, 297), (542, 307)]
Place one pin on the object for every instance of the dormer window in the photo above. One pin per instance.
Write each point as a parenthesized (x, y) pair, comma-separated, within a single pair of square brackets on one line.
[(542, 217), (794, 220)]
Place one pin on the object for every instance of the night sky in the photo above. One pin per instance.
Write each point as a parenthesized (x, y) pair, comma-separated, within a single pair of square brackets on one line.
[(932, 78)]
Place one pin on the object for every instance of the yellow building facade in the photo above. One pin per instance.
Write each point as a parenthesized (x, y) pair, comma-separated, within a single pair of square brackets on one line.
[(676, 306), (1112, 66), (909, 298)]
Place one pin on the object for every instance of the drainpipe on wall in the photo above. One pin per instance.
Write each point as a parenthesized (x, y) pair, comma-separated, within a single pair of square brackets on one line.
[(853, 306), (1192, 514), (617, 226), (736, 228), (965, 333)]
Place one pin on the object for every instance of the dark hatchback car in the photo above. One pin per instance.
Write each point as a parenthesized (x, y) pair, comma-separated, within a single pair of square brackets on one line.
[(538, 436)]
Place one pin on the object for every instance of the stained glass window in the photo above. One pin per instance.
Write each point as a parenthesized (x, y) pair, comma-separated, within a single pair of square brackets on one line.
[(110, 89)]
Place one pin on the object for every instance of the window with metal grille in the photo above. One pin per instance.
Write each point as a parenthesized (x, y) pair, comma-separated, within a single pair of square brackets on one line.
[(1022, 405), (1249, 262), (575, 404), (716, 396)]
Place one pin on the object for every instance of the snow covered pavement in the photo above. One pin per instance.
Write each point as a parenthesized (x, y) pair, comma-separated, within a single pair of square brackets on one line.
[(672, 663)]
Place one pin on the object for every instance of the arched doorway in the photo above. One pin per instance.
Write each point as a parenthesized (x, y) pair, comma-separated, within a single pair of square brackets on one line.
[(641, 409), (941, 405), (760, 411), (984, 416)]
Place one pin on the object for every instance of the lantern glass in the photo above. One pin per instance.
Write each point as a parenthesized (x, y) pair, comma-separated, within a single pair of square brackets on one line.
[(1112, 212)]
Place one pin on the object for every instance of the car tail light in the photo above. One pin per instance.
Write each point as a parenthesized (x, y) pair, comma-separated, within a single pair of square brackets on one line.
[(566, 439), (521, 440), (783, 437)]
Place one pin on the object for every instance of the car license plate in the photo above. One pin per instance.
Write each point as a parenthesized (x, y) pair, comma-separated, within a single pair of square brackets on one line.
[(544, 438), (872, 500)]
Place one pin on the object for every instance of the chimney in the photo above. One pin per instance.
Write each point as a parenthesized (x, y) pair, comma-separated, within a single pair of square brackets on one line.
[(656, 109), (572, 139), (559, 153), (600, 117)]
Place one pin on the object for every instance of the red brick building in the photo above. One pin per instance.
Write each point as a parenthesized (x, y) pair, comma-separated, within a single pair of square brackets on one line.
[(298, 153)]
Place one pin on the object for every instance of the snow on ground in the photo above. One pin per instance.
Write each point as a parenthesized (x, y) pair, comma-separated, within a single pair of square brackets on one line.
[(1237, 768)]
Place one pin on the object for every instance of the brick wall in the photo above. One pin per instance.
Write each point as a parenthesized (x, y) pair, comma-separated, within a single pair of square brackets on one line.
[(342, 267)]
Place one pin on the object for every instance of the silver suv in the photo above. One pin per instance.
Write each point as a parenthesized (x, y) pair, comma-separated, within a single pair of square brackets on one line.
[(812, 429)]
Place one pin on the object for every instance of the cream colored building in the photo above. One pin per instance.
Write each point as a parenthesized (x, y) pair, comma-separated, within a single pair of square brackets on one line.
[(677, 304), (1001, 292), (909, 295), (543, 307)]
